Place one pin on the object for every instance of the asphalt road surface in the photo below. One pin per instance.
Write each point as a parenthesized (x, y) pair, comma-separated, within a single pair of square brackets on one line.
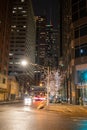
[(20, 117)]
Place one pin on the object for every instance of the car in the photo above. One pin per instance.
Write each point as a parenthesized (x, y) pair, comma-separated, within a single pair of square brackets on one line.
[(38, 98), (27, 101)]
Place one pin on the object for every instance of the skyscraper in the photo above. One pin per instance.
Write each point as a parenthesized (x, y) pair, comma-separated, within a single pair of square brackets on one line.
[(79, 41), (22, 40), (4, 45), (47, 44), (40, 45), (40, 39), (52, 47)]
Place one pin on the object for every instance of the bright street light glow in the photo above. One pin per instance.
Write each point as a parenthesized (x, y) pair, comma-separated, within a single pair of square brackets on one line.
[(24, 63)]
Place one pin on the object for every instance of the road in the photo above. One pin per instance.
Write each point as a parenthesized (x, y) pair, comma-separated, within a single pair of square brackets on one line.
[(20, 117)]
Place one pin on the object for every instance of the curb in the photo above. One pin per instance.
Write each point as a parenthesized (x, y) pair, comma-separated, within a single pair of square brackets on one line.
[(70, 109), (10, 102)]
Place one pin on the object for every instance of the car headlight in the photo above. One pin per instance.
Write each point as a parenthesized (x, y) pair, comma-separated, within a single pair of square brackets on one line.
[(27, 101)]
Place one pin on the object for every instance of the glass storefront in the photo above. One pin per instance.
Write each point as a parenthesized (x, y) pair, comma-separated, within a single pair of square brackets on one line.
[(82, 86)]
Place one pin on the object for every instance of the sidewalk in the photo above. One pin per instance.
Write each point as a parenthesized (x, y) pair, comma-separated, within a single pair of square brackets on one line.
[(66, 108), (10, 102)]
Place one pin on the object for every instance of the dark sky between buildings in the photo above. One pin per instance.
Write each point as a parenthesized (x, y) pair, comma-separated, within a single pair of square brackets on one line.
[(50, 8)]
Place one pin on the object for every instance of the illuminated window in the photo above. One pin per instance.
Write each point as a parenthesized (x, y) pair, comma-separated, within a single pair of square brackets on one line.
[(10, 54), (17, 30), (41, 19), (17, 63), (14, 26), (22, 0), (12, 30), (24, 26), (25, 15), (23, 11), (13, 11), (14, 8), (20, 8), (10, 62), (81, 51)]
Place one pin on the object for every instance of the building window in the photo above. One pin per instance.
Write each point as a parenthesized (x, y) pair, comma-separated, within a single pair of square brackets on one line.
[(81, 31), (81, 50), (75, 16), (4, 80), (79, 9), (74, 8), (76, 33), (82, 3), (22, 0), (74, 1), (83, 12)]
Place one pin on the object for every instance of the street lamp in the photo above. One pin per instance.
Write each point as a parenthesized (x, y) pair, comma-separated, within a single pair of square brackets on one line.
[(23, 62)]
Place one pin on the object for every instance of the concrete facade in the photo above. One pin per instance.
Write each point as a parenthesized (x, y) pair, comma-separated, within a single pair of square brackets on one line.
[(22, 40), (75, 49)]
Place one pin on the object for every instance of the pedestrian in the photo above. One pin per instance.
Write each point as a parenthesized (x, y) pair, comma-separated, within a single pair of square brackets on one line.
[(80, 101)]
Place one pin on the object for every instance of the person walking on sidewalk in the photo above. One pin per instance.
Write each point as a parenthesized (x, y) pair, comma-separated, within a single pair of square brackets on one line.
[(80, 101)]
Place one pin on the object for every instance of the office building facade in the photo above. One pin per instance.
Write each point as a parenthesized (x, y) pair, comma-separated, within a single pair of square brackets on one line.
[(40, 39), (52, 50), (47, 44), (74, 17), (22, 40)]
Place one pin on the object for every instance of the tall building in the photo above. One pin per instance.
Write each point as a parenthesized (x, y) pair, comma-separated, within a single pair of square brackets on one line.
[(22, 40), (52, 47), (40, 39), (74, 36), (4, 46), (79, 41), (47, 45)]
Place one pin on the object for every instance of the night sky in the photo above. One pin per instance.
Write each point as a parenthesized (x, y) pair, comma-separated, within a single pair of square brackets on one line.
[(50, 8)]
